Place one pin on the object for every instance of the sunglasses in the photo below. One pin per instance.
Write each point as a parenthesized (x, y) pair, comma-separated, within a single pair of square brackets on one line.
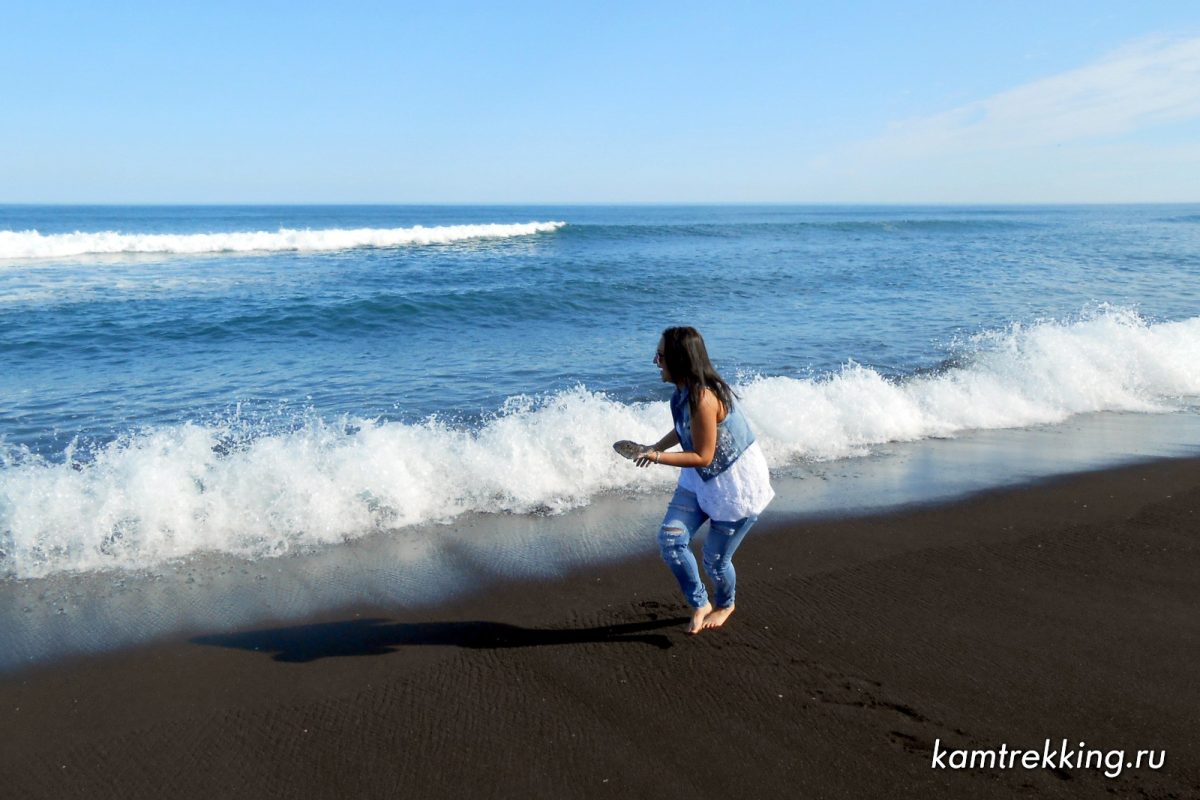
[(658, 358)]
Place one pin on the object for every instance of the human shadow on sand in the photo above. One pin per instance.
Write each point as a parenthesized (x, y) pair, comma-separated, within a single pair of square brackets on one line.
[(372, 637)]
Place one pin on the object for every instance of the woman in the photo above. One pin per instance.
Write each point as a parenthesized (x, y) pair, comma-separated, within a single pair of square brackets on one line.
[(723, 476)]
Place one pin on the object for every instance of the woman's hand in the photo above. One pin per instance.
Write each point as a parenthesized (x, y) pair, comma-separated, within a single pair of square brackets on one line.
[(652, 453), (646, 457)]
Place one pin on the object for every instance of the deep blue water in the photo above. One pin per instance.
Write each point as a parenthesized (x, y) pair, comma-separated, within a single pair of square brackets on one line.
[(98, 345)]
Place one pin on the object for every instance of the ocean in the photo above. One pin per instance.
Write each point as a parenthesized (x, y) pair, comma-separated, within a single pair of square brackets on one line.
[(250, 386)]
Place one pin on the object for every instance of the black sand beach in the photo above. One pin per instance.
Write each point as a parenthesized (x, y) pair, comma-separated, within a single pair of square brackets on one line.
[(1064, 609)]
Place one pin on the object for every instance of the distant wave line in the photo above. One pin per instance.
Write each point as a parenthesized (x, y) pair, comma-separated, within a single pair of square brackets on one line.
[(32, 244)]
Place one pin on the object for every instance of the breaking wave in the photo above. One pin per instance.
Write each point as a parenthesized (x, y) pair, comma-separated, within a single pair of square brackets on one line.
[(162, 494), (32, 244)]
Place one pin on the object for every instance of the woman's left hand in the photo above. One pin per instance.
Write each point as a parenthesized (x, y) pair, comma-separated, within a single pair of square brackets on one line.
[(646, 458)]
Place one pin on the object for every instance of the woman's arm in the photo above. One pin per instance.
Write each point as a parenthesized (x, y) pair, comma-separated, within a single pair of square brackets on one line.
[(648, 456), (667, 442), (704, 438)]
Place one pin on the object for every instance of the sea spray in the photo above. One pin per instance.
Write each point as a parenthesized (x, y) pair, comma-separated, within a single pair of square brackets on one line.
[(1110, 360), (167, 493)]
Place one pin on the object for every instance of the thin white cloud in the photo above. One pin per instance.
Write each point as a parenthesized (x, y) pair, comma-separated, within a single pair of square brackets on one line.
[(1146, 84)]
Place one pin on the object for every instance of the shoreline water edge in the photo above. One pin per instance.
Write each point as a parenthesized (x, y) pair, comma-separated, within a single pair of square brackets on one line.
[(68, 614)]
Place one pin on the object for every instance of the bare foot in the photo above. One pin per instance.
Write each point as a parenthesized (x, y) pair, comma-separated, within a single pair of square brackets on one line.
[(717, 617), (698, 617)]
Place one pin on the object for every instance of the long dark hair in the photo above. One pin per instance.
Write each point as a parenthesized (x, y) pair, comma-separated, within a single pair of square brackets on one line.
[(686, 359)]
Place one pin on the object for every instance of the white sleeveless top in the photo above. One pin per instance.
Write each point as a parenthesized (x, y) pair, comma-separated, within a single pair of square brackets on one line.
[(742, 490)]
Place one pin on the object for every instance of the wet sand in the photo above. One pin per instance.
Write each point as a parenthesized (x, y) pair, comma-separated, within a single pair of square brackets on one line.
[(1065, 609)]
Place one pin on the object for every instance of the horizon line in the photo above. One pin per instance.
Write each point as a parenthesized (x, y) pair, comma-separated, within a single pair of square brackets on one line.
[(596, 203)]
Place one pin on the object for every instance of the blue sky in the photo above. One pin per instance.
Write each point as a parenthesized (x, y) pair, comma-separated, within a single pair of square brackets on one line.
[(518, 102)]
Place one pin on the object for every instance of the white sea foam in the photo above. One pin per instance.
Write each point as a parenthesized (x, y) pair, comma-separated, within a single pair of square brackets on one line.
[(32, 244), (181, 490), (1025, 375)]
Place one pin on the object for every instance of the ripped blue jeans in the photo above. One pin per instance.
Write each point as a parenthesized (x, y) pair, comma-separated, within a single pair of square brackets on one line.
[(683, 519)]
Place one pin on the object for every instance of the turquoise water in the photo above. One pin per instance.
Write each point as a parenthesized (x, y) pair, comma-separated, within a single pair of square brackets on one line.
[(259, 380)]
